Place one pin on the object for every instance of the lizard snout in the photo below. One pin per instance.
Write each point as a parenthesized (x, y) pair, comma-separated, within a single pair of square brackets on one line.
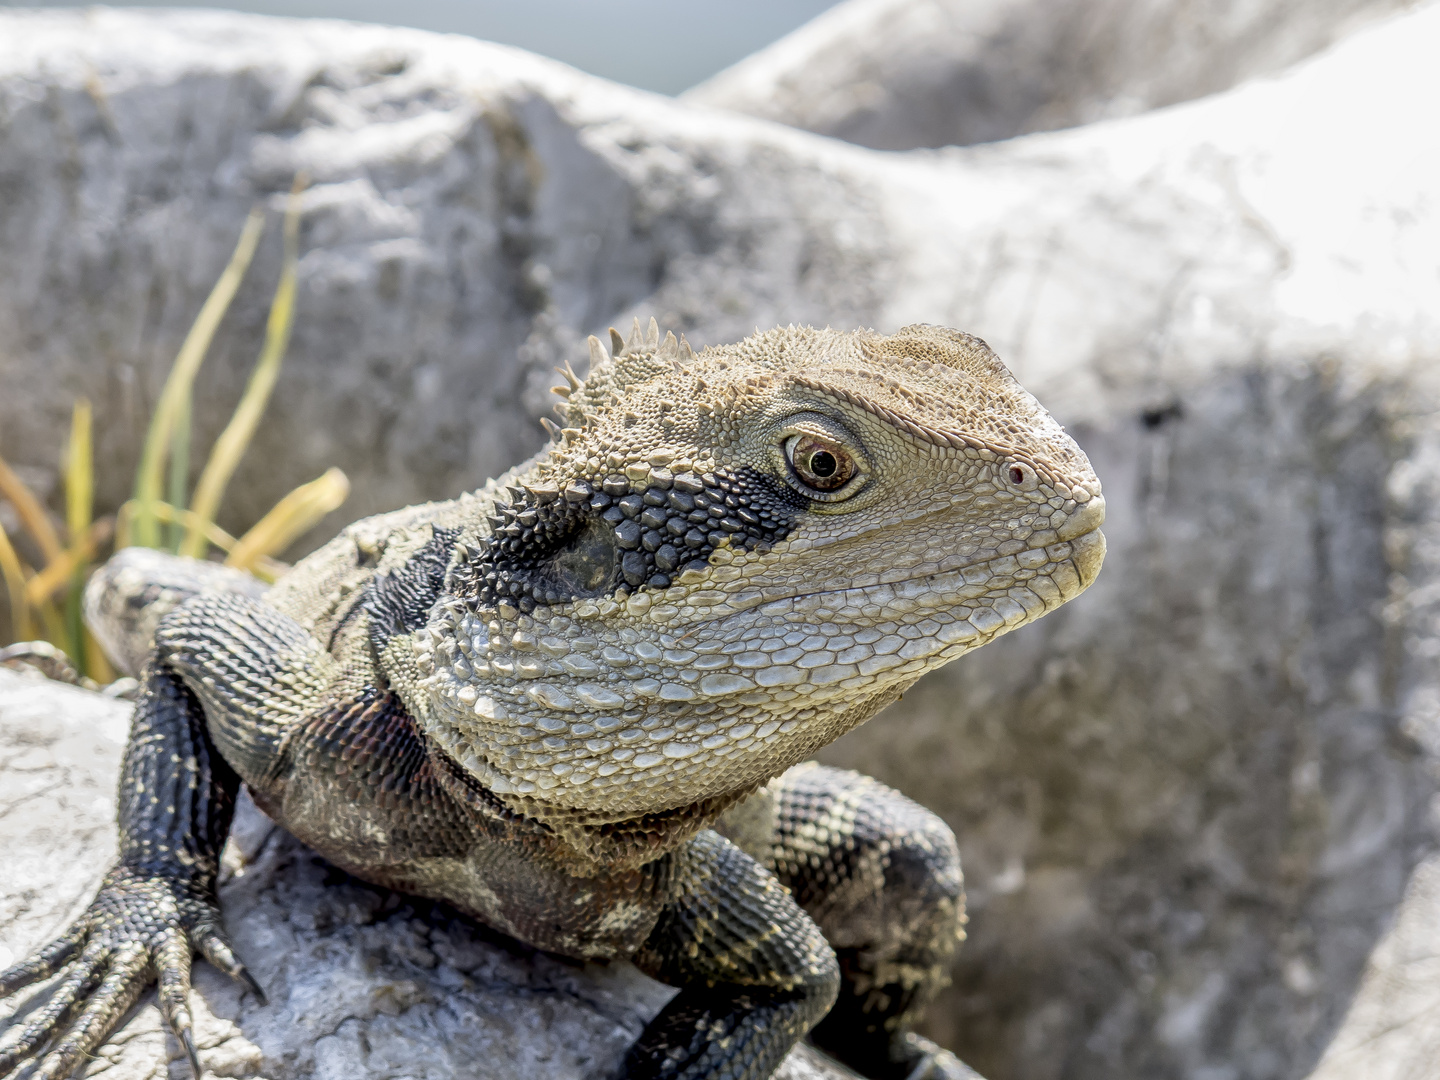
[(1088, 554), (1082, 530), (1085, 519)]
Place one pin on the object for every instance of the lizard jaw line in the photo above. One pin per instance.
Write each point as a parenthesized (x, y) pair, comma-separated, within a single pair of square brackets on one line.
[(1083, 556)]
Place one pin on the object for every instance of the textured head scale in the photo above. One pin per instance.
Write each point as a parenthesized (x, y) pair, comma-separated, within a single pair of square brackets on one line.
[(724, 561)]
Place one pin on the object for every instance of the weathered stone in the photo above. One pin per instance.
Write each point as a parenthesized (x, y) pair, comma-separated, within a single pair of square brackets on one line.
[(901, 74), (1391, 1031), (1189, 803), (469, 204), (362, 982)]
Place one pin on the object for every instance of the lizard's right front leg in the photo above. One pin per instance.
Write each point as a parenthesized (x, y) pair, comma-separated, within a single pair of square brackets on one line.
[(253, 671), (755, 971)]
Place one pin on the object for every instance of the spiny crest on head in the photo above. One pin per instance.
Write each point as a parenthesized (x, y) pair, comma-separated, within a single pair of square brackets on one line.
[(629, 361)]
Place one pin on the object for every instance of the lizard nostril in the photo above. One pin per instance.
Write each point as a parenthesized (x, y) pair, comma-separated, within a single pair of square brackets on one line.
[(1022, 476)]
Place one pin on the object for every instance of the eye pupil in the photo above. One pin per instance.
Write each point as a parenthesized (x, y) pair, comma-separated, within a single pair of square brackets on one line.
[(819, 465)]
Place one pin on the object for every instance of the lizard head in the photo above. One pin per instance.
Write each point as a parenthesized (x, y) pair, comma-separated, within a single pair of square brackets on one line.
[(725, 561)]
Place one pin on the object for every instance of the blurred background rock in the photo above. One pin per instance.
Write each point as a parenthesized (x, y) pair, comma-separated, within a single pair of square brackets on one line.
[(661, 45), (1192, 804), (900, 74)]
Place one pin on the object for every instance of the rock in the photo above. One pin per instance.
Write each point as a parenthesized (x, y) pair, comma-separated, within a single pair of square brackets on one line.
[(468, 204), (363, 983), (1390, 1032), (1191, 803), (901, 74)]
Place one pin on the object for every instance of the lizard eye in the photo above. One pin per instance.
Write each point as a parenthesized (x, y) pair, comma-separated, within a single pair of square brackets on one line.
[(819, 463)]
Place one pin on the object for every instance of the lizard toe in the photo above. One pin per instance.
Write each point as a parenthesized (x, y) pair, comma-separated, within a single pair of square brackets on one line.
[(173, 963), (215, 946), (127, 976), (44, 963), (81, 977), (139, 925)]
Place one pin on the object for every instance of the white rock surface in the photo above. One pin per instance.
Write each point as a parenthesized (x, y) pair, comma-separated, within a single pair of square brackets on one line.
[(901, 74), (362, 983), (1392, 1031), (1191, 803)]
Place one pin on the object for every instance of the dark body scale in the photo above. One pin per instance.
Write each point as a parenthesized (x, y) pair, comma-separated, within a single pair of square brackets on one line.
[(241, 689), (360, 783)]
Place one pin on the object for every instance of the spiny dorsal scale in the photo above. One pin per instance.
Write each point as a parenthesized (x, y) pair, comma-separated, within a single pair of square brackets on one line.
[(617, 343), (568, 373)]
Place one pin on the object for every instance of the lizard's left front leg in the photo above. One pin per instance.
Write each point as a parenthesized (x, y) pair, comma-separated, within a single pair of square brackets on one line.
[(226, 670), (755, 971)]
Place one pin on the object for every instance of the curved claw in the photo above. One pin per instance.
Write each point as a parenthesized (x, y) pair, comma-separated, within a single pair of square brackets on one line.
[(214, 946), (189, 1044), (173, 963)]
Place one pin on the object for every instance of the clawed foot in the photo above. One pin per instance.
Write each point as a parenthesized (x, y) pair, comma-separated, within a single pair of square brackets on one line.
[(45, 659), (907, 1057), (931, 1061), (138, 927)]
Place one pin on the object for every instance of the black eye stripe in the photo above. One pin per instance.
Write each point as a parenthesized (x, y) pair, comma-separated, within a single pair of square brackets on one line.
[(602, 536)]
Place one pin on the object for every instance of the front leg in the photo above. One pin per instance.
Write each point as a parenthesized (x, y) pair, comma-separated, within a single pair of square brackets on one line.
[(226, 656), (157, 904), (754, 971), (881, 877)]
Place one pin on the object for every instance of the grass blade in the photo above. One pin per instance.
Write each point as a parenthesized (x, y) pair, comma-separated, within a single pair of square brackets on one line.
[(295, 514), (179, 470), (144, 529), (231, 445), (167, 514), (21, 625), (54, 625), (79, 510), (32, 514), (80, 471), (100, 669)]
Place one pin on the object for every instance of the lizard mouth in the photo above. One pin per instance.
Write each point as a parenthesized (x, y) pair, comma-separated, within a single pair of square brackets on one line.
[(1081, 546)]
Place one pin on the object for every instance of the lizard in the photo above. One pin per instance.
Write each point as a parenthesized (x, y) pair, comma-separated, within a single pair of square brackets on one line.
[(578, 704)]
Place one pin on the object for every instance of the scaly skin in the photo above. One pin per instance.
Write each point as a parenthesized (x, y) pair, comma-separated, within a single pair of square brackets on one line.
[(574, 703)]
